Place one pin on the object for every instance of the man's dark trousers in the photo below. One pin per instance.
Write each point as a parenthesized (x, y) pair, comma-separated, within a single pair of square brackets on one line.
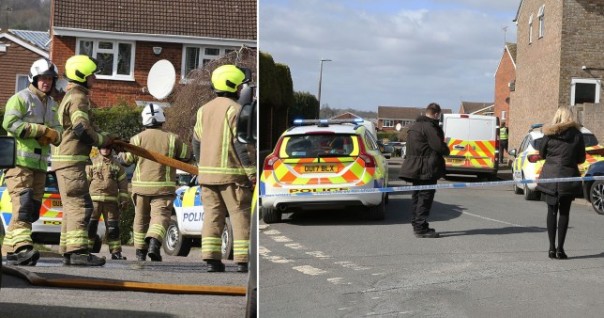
[(421, 204)]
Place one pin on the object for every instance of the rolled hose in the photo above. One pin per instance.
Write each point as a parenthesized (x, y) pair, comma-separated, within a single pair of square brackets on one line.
[(105, 284)]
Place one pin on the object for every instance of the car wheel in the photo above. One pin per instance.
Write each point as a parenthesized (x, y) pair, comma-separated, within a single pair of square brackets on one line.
[(516, 189), (530, 194), (377, 212), (227, 240), (174, 243), (96, 247), (270, 215), (596, 194)]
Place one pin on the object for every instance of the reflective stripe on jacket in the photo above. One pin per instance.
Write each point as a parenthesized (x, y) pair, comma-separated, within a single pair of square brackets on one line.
[(150, 177), (107, 178), (27, 115), (75, 114), (215, 129)]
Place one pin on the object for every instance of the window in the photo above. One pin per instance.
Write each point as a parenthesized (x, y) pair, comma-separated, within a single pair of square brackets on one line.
[(530, 35), (196, 57), (21, 83), (541, 21), (388, 123), (116, 58), (584, 90)]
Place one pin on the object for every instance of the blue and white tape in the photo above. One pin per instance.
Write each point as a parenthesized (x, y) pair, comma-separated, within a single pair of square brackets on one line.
[(435, 186)]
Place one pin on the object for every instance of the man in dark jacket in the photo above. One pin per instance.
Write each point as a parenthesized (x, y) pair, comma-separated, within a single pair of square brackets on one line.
[(424, 165)]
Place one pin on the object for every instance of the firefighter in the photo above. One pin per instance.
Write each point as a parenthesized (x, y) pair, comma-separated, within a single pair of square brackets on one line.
[(31, 117), (226, 172), (109, 193), (153, 184), (69, 160)]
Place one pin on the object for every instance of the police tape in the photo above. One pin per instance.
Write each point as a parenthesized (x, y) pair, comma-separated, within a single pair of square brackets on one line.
[(338, 191)]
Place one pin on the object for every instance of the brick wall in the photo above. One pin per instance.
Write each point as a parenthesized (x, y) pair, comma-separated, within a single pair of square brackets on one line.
[(16, 60), (108, 93), (505, 74), (536, 97)]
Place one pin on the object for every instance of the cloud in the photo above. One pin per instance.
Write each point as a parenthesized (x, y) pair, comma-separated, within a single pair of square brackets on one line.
[(385, 53)]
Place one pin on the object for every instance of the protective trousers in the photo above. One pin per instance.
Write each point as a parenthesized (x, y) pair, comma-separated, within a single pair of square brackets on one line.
[(77, 208), (26, 189), (111, 214), (151, 218), (217, 201)]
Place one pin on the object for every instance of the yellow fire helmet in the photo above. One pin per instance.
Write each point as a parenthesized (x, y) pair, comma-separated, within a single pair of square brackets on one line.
[(79, 67), (227, 78)]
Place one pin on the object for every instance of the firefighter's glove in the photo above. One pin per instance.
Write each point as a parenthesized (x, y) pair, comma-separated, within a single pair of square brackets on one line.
[(50, 136)]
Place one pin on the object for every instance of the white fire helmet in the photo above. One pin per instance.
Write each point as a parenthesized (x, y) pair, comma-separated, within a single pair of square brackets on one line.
[(153, 115), (42, 67)]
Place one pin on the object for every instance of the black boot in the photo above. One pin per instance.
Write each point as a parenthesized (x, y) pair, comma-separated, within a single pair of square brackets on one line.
[(118, 256), (215, 265), (86, 259), (25, 256), (242, 267), (67, 259), (154, 246), (141, 255)]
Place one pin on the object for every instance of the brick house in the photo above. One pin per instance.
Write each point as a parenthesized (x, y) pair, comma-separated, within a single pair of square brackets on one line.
[(346, 115), (390, 116), (127, 37), (18, 50), (477, 108), (559, 62), (505, 81)]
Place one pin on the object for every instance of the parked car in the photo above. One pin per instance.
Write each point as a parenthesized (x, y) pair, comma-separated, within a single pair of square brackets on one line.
[(593, 191), (46, 230), (399, 147), (322, 156), (184, 229), (527, 162)]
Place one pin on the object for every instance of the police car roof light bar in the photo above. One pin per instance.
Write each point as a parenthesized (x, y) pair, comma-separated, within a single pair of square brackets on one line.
[(326, 122), (535, 126)]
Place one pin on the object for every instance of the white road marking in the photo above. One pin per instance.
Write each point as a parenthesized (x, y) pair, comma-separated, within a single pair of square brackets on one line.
[(263, 250), (281, 239), (295, 246), (272, 232), (494, 220), (337, 281), (309, 270), (318, 254), (277, 259), (351, 265)]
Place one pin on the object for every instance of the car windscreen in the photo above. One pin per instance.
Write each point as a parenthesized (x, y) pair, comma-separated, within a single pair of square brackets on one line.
[(51, 181), (589, 139), (318, 145)]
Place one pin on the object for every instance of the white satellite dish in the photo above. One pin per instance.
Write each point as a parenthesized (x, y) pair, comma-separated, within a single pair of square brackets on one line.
[(161, 79), (61, 85), (398, 127)]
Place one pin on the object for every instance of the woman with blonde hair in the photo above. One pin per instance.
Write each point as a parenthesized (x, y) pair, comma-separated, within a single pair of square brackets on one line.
[(563, 149)]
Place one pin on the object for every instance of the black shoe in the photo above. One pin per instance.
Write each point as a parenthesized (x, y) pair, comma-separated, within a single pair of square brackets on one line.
[(427, 234), (26, 256), (86, 259), (560, 254), (154, 246), (215, 266), (118, 256), (552, 253), (141, 255), (242, 267)]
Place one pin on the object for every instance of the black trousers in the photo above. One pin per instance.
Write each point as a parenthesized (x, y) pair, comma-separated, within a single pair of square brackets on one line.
[(421, 203)]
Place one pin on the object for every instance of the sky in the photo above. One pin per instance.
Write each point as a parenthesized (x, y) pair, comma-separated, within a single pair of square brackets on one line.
[(403, 53)]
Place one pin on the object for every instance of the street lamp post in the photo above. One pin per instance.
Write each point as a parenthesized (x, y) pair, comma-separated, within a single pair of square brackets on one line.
[(320, 79)]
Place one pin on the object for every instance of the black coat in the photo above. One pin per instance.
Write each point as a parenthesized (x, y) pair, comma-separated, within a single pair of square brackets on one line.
[(563, 149), (425, 151)]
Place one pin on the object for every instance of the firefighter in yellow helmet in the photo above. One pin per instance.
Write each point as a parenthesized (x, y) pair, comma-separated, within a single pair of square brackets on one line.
[(70, 158), (31, 117), (226, 172), (153, 184)]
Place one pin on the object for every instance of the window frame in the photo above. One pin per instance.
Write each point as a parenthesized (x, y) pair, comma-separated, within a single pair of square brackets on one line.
[(17, 76), (575, 81), (541, 17), (530, 35), (389, 123), (115, 52), (223, 50)]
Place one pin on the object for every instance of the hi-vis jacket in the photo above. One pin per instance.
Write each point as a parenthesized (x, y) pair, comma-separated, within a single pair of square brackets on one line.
[(79, 134), (108, 182), (27, 115), (215, 129), (150, 177)]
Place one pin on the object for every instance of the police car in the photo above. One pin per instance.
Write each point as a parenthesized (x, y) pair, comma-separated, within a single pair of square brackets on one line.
[(528, 164), (47, 230), (184, 230), (323, 156)]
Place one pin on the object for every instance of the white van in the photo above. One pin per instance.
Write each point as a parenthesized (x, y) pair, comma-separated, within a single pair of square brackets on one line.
[(474, 144)]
